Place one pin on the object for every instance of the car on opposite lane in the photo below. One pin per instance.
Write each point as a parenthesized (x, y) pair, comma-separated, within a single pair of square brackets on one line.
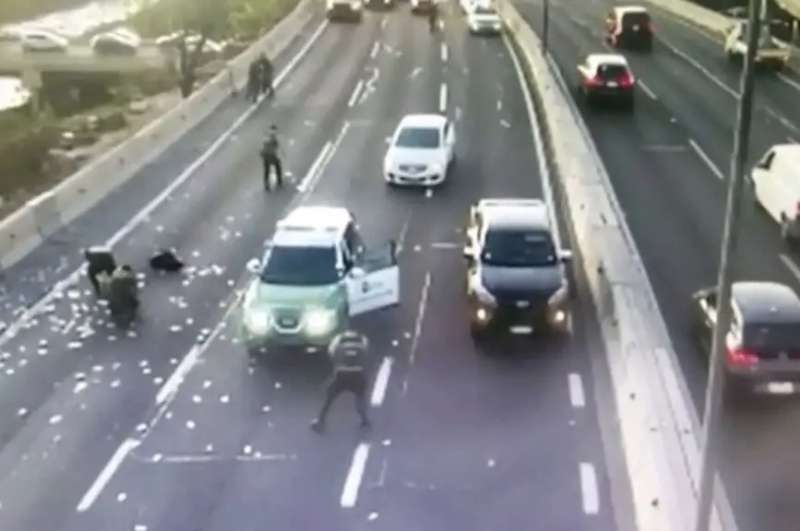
[(345, 10), (516, 274), (776, 188), (117, 42), (769, 52), (629, 27), (421, 151), (762, 346), (379, 4), (43, 41), (606, 77), (422, 6), (314, 276), (483, 19)]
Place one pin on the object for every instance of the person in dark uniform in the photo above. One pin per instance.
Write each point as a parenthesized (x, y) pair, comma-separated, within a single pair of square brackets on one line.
[(266, 71), (253, 81), (433, 17), (348, 351), (123, 294), (99, 260), (270, 155)]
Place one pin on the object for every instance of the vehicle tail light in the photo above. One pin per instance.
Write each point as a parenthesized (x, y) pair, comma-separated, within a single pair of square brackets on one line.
[(594, 82), (625, 80), (741, 357)]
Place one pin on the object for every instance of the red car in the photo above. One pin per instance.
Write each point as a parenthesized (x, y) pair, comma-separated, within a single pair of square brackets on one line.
[(606, 77)]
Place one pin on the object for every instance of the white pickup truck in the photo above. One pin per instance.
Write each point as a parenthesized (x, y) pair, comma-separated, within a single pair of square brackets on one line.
[(770, 53)]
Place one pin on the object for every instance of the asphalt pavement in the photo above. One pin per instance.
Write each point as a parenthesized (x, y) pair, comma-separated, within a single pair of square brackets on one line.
[(173, 427), (669, 165)]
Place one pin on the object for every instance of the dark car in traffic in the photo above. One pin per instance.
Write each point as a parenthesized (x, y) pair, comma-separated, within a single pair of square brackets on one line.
[(516, 278), (629, 27), (762, 348)]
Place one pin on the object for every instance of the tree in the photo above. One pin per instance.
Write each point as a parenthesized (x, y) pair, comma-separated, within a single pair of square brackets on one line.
[(195, 21)]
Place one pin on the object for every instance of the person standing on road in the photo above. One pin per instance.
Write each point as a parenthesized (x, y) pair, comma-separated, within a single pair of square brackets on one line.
[(253, 81), (271, 158), (433, 17), (348, 351), (266, 69)]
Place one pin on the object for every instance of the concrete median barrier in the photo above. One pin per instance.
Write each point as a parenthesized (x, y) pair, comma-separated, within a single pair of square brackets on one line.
[(22, 232), (658, 424)]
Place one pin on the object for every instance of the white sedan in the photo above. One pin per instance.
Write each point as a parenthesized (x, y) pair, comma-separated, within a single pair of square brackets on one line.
[(421, 152), (484, 19), (43, 41)]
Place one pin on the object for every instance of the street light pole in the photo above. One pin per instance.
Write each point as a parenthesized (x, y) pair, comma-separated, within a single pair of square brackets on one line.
[(716, 373), (545, 24)]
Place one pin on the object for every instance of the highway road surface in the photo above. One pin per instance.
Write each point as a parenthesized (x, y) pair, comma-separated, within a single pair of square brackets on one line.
[(171, 427), (669, 164)]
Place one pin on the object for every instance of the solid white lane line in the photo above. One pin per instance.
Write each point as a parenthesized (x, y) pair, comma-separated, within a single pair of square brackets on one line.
[(375, 49), (576, 395), (541, 158), (686, 57), (356, 92), (444, 53), (793, 268), (354, 476), (123, 232), (706, 159), (778, 117), (106, 474), (423, 304), (789, 81), (443, 98), (646, 89), (381, 382), (401, 239), (591, 500), (303, 186)]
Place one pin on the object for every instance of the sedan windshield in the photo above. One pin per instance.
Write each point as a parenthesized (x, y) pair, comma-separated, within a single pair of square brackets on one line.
[(518, 248), (300, 266), (418, 137)]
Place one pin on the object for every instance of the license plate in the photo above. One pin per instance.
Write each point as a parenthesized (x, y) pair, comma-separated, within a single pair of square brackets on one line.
[(522, 330), (612, 84), (523, 304), (288, 322), (780, 388)]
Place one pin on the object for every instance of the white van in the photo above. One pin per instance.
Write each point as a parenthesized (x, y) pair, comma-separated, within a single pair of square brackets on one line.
[(776, 185)]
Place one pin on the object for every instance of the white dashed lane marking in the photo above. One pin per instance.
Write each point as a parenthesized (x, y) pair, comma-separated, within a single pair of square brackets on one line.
[(354, 476), (591, 499), (576, 395), (706, 159)]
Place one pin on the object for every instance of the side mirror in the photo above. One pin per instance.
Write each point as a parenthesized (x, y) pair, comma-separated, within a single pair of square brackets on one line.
[(469, 252), (565, 255), (357, 273), (254, 266)]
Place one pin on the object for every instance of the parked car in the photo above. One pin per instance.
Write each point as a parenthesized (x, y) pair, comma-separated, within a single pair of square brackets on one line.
[(776, 188), (762, 347), (43, 41)]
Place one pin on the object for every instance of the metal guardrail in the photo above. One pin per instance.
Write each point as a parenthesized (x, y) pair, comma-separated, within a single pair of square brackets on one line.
[(658, 425)]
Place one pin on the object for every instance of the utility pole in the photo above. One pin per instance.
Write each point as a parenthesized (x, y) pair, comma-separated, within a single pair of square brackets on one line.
[(730, 236), (545, 24)]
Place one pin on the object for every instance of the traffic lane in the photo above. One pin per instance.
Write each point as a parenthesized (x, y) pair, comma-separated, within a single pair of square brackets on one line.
[(675, 208), (185, 221), (234, 203), (36, 274), (346, 161), (779, 91), (674, 81), (483, 437)]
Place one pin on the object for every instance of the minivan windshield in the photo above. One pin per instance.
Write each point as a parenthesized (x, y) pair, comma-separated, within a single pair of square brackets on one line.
[(518, 248), (300, 266)]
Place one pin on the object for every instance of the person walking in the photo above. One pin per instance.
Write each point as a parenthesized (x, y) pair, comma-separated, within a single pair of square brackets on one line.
[(348, 351), (266, 69), (270, 156)]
